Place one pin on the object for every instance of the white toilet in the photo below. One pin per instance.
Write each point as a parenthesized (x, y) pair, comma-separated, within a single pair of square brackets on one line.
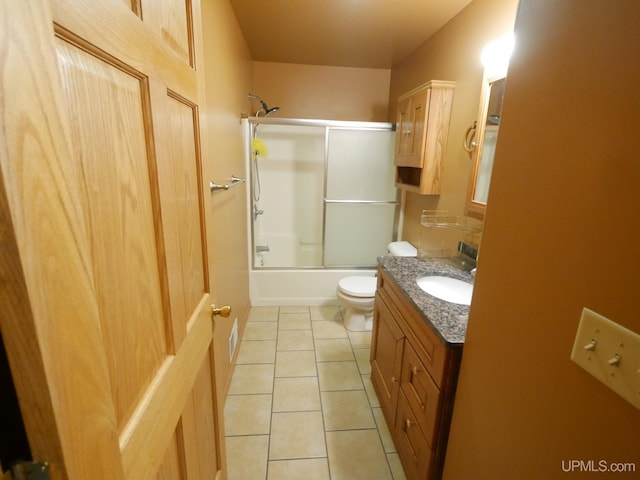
[(357, 294)]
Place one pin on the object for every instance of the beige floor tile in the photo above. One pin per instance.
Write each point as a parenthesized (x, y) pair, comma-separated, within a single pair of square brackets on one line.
[(333, 350), (325, 312), (256, 351), (247, 415), (347, 410), (278, 387), (357, 455), (360, 339), (263, 314), (339, 376), (328, 329), (363, 359), (260, 331), (296, 394), (396, 466), (294, 321), (371, 392), (247, 457), (383, 429), (296, 364), (294, 309), (249, 379), (295, 340), (307, 469), (297, 435)]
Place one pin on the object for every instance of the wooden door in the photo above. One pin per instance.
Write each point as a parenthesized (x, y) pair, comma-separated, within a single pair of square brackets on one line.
[(105, 279)]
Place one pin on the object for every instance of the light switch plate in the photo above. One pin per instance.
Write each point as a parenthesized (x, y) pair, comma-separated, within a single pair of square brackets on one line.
[(609, 352)]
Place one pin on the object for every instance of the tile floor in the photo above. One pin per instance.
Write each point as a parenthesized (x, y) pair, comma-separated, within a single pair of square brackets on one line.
[(301, 404)]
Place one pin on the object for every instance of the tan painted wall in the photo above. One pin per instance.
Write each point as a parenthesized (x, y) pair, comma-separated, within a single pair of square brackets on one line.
[(315, 91), (453, 53), (560, 234), (228, 76)]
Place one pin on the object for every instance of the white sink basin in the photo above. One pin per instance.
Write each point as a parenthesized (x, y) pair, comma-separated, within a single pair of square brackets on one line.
[(446, 288)]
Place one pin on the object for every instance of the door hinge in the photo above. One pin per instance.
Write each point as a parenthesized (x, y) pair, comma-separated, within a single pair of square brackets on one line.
[(28, 471)]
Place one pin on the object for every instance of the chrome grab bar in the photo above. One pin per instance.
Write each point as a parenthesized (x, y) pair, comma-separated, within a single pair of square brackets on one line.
[(234, 181)]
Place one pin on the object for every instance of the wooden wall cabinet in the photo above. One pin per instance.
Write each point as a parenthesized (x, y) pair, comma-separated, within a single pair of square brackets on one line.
[(422, 129), (415, 375)]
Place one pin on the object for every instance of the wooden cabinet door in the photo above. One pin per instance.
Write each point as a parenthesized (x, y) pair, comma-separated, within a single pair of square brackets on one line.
[(404, 131), (410, 130), (387, 343), (106, 283)]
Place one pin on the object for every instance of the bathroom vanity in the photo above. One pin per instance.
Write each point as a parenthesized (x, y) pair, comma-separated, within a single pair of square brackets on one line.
[(416, 348)]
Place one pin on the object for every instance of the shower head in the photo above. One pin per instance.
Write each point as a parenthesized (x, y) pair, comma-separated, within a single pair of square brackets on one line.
[(267, 111)]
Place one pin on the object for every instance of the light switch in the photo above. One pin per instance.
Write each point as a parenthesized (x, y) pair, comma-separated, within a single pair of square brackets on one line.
[(609, 352)]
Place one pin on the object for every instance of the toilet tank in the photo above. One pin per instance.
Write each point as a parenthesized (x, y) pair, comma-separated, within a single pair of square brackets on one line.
[(402, 249)]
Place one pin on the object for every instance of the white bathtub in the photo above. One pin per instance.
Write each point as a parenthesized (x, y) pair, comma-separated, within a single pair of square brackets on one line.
[(287, 250), (297, 287)]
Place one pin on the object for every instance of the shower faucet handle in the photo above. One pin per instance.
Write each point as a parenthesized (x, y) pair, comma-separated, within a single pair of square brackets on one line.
[(256, 212)]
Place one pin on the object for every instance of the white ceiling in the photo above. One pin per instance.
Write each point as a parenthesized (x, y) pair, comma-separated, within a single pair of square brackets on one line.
[(353, 33)]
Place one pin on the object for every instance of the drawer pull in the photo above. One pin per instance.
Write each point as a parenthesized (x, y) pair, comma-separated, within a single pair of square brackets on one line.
[(394, 379), (415, 370), (408, 423)]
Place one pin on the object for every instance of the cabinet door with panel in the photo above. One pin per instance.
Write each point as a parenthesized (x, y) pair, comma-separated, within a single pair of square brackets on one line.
[(386, 357), (422, 129), (411, 119)]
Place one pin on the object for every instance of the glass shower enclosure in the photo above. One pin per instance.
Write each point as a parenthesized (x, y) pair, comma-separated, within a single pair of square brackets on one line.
[(322, 193)]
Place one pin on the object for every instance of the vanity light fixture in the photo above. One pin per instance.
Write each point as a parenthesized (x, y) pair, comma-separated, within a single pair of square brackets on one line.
[(495, 56)]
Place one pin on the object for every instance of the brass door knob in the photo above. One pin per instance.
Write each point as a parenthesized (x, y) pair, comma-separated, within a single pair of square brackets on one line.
[(222, 311)]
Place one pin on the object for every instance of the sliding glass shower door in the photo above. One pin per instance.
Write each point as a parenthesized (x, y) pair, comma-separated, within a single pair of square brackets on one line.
[(322, 193), (360, 198)]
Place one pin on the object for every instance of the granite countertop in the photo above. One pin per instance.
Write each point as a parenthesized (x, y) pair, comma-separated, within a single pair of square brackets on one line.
[(448, 320)]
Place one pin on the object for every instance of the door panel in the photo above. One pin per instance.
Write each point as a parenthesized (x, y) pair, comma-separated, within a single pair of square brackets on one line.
[(170, 19), (201, 452), (108, 132), (173, 463), (102, 207), (181, 198)]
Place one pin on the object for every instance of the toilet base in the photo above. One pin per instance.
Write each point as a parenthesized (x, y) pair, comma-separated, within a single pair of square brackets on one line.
[(357, 320)]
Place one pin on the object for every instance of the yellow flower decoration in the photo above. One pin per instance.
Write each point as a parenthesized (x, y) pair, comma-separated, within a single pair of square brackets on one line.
[(258, 147)]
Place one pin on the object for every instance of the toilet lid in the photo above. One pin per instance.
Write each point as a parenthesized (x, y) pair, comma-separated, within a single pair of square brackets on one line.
[(359, 286)]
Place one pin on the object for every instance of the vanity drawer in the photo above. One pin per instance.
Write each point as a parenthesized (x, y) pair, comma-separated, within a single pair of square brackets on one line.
[(421, 392), (414, 450)]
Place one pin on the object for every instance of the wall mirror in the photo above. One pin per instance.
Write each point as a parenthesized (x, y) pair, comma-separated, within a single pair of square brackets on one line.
[(486, 136)]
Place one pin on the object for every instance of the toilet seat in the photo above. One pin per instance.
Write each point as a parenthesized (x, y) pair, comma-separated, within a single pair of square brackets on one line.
[(362, 287), (357, 294)]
